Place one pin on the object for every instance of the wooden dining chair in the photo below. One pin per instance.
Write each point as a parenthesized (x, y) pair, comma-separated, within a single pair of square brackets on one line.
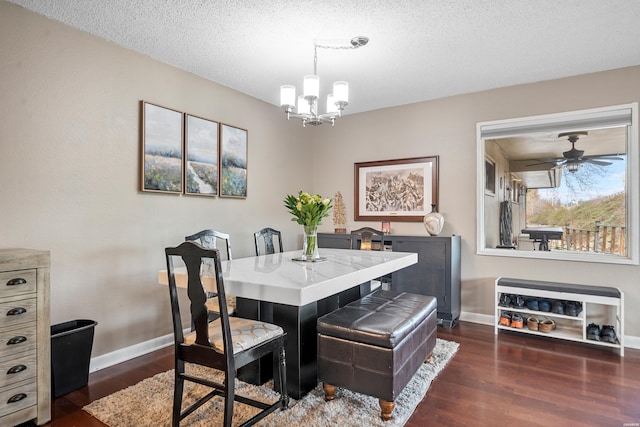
[(209, 239), (267, 236), (226, 344), (370, 239)]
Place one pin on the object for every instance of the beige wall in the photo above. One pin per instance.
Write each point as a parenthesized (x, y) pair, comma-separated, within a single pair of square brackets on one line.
[(69, 171), (69, 162), (447, 128)]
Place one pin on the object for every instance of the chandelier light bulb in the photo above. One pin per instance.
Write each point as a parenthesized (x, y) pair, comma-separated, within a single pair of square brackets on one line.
[(332, 108), (303, 106), (341, 92), (311, 86), (287, 96)]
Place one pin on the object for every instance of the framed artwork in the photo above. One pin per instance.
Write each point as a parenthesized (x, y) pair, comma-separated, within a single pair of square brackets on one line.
[(161, 149), (396, 190), (233, 161), (489, 176), (201, 160)]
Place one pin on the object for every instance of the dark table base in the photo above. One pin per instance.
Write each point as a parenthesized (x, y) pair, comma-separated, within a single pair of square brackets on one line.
[(299, 322)]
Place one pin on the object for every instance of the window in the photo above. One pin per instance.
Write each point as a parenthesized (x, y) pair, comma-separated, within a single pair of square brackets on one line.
[(558, 164)]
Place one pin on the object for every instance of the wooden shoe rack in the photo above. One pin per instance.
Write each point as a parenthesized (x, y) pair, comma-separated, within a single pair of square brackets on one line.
[(602, 305)]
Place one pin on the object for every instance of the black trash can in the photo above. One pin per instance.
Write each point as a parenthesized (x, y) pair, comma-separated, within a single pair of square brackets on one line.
[(71, 344)]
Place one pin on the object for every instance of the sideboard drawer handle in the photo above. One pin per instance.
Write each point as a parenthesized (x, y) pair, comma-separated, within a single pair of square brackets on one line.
[(17, 281), (16, 340), (16, 398), (16, 311), (16, 369)]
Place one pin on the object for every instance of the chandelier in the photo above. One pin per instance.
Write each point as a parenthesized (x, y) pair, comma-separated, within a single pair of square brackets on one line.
[(307, 103)]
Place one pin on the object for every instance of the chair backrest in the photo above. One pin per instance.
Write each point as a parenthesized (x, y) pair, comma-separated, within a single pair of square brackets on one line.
[(268, 235), (366, 235), (194, 256), (208, 239)]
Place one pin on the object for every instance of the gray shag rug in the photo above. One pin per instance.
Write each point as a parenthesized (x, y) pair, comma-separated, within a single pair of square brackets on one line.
[(149, 402)]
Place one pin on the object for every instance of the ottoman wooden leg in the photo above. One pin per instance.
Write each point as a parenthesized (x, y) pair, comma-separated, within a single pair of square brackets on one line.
[(386, 409), (329, 391), (429, 358)]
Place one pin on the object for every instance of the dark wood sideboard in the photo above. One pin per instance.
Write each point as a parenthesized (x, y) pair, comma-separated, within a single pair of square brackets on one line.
[(437, 272)]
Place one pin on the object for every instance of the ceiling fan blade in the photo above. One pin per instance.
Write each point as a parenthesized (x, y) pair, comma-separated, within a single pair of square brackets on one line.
[(597, 162), (603, 157), (546, 161)]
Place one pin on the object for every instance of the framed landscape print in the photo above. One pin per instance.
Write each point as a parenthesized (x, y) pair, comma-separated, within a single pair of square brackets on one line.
[(201, 161), (396, 190), (161, 149), (233, 161)]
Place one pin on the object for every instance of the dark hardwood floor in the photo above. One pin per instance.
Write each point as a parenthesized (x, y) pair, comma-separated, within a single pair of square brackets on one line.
[(506, 380)]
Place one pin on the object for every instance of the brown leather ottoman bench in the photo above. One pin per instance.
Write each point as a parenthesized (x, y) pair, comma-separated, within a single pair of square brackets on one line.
[(376, 344)]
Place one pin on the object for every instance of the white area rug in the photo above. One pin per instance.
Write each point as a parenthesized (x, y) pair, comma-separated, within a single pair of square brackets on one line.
[(148, 403)]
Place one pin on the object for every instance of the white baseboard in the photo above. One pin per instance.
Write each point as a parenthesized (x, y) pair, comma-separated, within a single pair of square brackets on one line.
[(136, 350), (128, 353), (487, 319), (483, 319)]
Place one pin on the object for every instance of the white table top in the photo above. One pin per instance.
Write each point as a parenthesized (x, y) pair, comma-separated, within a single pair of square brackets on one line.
[(277, 278)]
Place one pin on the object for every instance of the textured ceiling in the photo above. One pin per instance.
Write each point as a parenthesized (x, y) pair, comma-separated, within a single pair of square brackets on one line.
[(418, 49)]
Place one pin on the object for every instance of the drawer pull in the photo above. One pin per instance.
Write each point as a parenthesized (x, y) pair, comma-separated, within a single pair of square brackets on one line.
[(16, 369), (16, 398), (17, 281), (16, 311), (17, 340)]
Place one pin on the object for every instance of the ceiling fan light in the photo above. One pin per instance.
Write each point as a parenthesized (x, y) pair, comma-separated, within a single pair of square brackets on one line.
[(573, 167)]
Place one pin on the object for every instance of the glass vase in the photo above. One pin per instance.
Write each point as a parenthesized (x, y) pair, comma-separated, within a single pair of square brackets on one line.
[(310, 243)]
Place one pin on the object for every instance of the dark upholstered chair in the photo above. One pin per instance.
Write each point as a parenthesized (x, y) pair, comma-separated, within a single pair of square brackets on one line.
[(267, 236), (209, 240), (370, 240), (226, 344)]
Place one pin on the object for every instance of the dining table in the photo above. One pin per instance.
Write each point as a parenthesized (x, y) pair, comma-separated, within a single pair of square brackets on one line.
[(279, 288), (542, 235)]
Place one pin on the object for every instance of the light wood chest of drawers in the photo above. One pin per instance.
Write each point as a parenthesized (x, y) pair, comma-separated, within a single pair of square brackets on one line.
[(25, 337)]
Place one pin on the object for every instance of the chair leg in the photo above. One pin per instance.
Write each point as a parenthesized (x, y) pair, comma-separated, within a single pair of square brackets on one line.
[(329, 391), (229, 395), (282, 370), (386, 408), (177, 393)]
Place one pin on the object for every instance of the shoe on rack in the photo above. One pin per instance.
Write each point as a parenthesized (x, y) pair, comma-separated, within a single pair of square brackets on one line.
[(517, 321), (557, 307), (532, 323), (607, 333), (544, 305), (532, 304), (505, 319), (505, 300), (573, 308), (518, 301), (547, 325), (593, 332)]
